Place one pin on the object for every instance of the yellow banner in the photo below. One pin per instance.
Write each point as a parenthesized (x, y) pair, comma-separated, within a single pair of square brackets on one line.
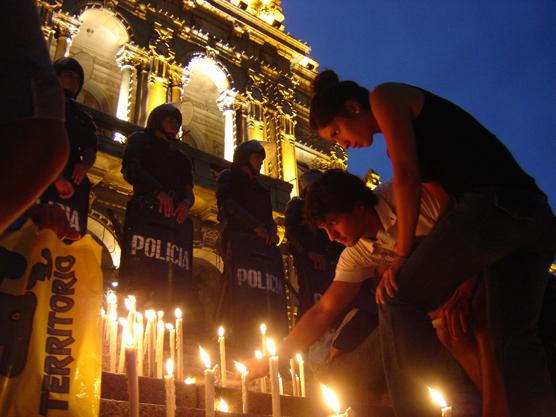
[(50, 326)]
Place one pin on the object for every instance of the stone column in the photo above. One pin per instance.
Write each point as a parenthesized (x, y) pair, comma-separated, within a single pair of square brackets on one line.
[(122, 111), (287, 145), (64, 36), (226, 105), (141, 95)]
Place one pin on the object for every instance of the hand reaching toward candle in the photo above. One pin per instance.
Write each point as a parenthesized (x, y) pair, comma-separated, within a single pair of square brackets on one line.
[(257, 368)]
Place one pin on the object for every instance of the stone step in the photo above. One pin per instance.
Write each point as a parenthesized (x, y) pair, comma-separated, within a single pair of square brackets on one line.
[(190, 401)]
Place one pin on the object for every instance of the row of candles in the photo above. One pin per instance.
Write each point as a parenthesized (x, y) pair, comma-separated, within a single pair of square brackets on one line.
[(136, 344)]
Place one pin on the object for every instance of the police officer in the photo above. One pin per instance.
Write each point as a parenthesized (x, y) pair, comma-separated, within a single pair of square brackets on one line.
[(71, 189), (314, 255), (253, 267), (162, 198)]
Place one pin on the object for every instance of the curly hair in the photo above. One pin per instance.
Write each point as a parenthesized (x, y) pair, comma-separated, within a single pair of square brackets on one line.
[(336, 191)]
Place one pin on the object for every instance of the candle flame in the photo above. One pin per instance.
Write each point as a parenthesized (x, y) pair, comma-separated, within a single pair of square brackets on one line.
[(189, 380), (222, 405), (150, 314), (241, 368), (437, 397), (177, 313), (258, 354), (330, 399), (128, 338), (139, 317), (169, 326), (129, 303), (299, 358), (102, 313), (111, 297), (160, 326), (122, 321), (263, 329), (221, 331), (170, 367), (205, 358), (271, 347), (160, 314)]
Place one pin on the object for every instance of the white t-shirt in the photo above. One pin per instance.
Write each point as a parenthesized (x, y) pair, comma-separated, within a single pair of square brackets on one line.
[(361, 261)]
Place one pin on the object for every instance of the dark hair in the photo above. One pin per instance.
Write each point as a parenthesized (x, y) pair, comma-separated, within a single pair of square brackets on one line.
[(157, 115), (336, 191), (330, 95)]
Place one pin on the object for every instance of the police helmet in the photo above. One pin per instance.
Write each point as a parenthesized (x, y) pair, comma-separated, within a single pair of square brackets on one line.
[(70, 64), (154, 121), (308, 178), (244, 150)]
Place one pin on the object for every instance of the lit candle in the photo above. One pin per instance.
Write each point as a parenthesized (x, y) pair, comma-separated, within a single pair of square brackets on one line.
[(280, 385), (274, 382), (301, 365), (159, 348), (222, 345), (121, 362), (149, 341), (293, 373), (130, 303), (132, 377), (138, 332), (209, 383), (438, 398), (172, 337), (259, 356), (244, 399), (332, 401), (113, 342), (222, 406), (112, 305), (170, 389), (179, 343), (263, 338)]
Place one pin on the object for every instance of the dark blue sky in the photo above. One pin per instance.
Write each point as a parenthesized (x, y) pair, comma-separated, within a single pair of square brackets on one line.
[(496, 59)]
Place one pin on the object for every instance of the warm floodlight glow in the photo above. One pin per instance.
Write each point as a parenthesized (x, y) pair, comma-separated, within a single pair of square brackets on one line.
[(205, 358), (271, 347), (438, 398), (330, 399), (221, 331), (169, 367)]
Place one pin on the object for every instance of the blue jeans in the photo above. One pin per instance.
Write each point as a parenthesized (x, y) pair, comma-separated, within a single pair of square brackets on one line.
[(507, 235)]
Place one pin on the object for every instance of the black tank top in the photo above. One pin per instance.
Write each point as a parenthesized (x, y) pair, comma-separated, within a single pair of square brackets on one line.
[(457, 151)]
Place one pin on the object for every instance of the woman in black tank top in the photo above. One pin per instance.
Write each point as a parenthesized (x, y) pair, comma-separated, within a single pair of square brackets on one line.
[(497, 223)]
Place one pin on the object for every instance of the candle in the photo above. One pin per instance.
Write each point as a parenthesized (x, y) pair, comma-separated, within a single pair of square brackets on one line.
[(132, 376), (189, 380), (293, 373), (112, 305), (263, 338), (113, 342), (170, 389), (280, 385), (121, 362), (149, 341), (172, 337), (332, 401), (179, 343), (209, 383), (244, 399), (138, 332), (159, 348), (130, 306), (222, 406), (301, 365), (259, 356), (222, 345), (274, 382), (438, 398)]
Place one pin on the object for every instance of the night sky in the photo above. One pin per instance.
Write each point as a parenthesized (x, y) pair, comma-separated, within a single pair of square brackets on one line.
[(496, 59)]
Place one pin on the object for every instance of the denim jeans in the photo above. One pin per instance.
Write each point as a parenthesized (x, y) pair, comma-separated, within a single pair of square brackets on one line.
[(508, 235)]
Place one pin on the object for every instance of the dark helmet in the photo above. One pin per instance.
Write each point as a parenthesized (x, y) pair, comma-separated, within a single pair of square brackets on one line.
[(244, 150), (307, 179), (154, 121), (70, 64)]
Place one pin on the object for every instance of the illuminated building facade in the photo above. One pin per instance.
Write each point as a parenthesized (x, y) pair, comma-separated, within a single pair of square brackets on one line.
[(228, 65)]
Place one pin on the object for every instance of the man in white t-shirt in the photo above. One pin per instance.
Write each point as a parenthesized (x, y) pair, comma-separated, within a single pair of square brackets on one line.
[(365, 222)]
